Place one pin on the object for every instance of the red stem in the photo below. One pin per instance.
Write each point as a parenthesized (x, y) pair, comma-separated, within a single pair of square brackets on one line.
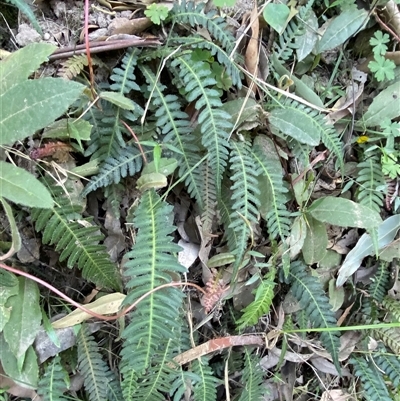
[(91, 75)]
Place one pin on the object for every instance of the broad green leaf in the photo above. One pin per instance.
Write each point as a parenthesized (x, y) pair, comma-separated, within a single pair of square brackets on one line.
[(342, 28), (301, 88), (32, 105), (20, 331), (151, 180), (61, 129), (17, 67), (344, 213), (276, 15), (336, 295), (118, 99), (16, 239), (166, 166), (296, 123), (297, 236), (390, 252), (365, 247), (221, 259), (316, 241), (19, 186), (306, 42), (5, 293), (386, 105), (27, 376)]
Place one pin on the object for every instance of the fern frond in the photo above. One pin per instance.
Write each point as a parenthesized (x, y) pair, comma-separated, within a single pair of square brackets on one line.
[(389, 364), (252, 378), (155, 321), (214, 123), (371, 379), (175, 126), (309, 292), (330, 137), (94, 370), (393, 306), (198, 42), (73, 66), (77, 239), (192, 14), (128, 162), (114, 194), (209, 197), (380, 283), (245, 196), (286, 43), (54, 381), (273, 200), (124, 77), (262, 302), (205, 389), (370, 178), (390, 336)]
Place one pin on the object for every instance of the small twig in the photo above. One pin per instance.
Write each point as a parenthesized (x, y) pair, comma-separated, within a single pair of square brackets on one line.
[(103, 46), (385, 27), (136, 140), (88, 311), (87, 46)]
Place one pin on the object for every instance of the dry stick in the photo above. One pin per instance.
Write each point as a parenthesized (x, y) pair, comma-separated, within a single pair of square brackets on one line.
[(88, 311), (103, 46), (136, 139), (91, 74)]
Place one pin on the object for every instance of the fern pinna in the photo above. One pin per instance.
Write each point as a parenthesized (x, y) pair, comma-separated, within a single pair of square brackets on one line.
[(151, 336), (54, 382)]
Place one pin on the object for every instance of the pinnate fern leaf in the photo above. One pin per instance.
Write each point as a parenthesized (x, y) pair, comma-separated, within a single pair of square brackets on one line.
[(54, 381), (78, 240), (127, 163), (176, 129), (389, 364), (151, 335), (205, 388), (189, 13), (371, 379), (214, 123), (273, 200), (94, 370), (309, 292), (245, 196), (252, 378), (262, 303), (370, 178)]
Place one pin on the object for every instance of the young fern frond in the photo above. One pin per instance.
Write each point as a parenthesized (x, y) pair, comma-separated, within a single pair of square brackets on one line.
[(262, 302), (225, 207), (371, 379), (127, 163), (155, 322), (214, 123), (205, 389), (252, 378), (54, 381), (73, 66), (192, 14), (273, 192), (245, 196), (370, 178), (311, 296), (175, 126), (91, 366), (78, 240)]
